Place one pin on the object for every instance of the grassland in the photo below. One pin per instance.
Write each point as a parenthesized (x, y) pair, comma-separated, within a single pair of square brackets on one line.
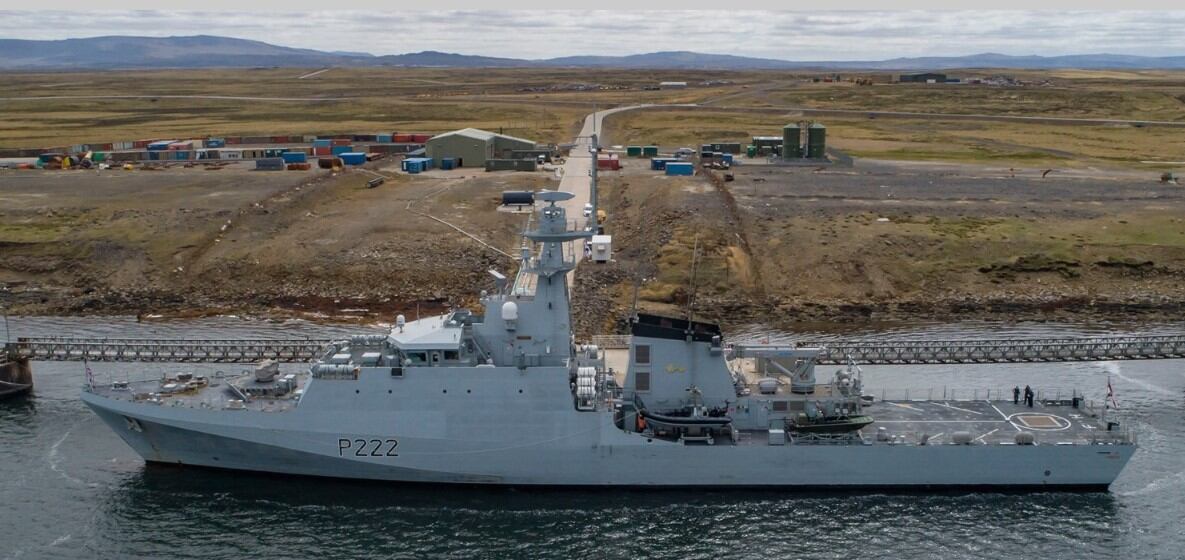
[(1000, 143), (935, 214), (39, 110)]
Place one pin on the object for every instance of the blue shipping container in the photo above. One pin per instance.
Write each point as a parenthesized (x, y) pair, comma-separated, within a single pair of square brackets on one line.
[(448, 163), (384, 138), (414, 166), (294, 157), (320, 143), (658, 164), (676, 168), (181, 154), (339, 150), (162, 145), (727, 158), (215, 143), (353, 158)]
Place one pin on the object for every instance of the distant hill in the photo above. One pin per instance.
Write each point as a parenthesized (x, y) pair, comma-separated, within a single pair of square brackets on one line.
[(199, 51), (205, 51)]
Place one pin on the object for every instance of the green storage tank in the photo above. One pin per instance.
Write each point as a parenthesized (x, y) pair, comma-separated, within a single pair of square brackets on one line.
[(99, 156), (751, 150), (791, 141), (816, 141), (650, 151), (633, 151)]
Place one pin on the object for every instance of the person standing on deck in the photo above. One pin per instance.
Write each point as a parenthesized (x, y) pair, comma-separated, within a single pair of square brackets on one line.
[(1016, 394), (1029, 396)]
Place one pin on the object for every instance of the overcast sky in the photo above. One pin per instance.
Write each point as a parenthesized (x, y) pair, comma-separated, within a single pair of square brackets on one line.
[(841, 35)]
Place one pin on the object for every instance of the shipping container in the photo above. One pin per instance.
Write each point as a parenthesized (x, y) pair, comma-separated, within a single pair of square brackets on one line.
[(448, 163), (329, 162), (420, 138), (680, 168), (160, 145), (215, 143), (397, 138), (633, 151), (269, 164), (230, 154), (339, 150), (659, 164), (649, 151), (294, 157), (322, 143), (610, 163), (233, 140), (422, 162), (323, 151), (301, 166), (353, 158), (384, 138)]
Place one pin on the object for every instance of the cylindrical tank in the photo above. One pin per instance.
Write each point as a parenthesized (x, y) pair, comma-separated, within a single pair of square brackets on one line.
[(791, 141), (816, 141), (518, 197)]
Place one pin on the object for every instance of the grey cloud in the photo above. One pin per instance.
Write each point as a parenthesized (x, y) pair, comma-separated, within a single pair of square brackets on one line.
[(543, 34)]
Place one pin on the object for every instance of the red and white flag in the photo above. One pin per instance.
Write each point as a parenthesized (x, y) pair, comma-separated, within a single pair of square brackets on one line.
[(1111, 393)]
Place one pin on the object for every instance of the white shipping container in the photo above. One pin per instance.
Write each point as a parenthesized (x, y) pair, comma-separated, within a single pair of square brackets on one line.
[(230, 154)]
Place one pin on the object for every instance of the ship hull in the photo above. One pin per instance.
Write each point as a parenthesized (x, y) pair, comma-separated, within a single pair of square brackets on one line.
[(589, 452)]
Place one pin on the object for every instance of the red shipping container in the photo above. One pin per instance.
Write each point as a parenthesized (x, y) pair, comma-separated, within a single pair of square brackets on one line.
[(231, 140), (102, 147), (322, 151), (608, 163), (401, 138), (420, 138), (340, 142), (141, 143)]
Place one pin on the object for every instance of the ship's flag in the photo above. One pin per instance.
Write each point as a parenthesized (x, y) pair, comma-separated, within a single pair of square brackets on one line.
[(1111, 393)]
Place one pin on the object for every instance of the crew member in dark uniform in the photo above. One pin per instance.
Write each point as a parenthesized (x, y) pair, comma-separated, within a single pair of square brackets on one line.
[(1029, 396), (1016, 395)]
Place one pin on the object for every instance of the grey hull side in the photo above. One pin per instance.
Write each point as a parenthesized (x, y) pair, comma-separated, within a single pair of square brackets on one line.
[(600, 456)]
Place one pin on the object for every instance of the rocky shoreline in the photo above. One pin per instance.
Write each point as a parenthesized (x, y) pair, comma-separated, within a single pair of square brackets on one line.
[(597, 311)]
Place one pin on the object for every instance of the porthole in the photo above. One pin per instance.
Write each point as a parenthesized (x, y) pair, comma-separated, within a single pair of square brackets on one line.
[(1047, 473)]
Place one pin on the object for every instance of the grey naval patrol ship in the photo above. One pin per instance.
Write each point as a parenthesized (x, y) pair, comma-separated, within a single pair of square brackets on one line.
[(506, 397)]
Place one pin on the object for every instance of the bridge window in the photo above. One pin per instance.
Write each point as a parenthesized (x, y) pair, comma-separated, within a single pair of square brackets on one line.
[(452, 355), (642, 354), (641, 381), (417, 358)]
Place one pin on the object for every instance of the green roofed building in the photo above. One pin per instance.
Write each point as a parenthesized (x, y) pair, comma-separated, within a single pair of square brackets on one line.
[(473, 147)]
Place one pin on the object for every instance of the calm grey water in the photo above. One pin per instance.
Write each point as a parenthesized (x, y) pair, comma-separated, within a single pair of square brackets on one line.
[(69, 488)]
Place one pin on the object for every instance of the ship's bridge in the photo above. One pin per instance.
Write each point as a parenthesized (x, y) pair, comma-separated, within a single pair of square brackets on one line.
[(435, 341)]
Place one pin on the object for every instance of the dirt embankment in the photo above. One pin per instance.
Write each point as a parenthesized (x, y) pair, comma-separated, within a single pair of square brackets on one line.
[(777, 245), (782, 245), (198, 242)]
